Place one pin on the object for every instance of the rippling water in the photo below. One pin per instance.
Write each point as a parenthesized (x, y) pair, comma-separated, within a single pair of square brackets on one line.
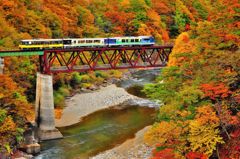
[(99, 131)]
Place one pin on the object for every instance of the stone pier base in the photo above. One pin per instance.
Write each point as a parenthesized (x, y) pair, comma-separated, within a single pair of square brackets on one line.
[(1, 65), (49, 134), (1, 69), (45, 118)]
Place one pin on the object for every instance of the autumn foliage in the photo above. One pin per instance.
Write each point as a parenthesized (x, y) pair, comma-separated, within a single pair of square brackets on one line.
[(214, 91), (15, 110), (200, 89)]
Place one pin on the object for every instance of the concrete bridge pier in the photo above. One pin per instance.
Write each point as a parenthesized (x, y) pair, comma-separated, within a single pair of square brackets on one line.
[(44, 110), (1, 65)]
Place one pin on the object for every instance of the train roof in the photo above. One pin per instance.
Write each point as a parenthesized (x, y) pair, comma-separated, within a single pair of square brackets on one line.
[(25, 40), (120, 37), (83, 38), (131, 37)]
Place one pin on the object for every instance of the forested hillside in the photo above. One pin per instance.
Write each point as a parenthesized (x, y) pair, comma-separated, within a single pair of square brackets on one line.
[(199, 89)]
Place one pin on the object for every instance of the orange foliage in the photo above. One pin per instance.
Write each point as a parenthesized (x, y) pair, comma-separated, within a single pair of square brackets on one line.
[(183, 45), (206, 115), (12, 94), (7, 127), (214, 91), (58, 113), (195, 155), (161, 7), (164, 154)]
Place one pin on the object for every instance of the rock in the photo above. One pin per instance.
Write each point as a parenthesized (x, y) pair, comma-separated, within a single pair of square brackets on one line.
[(32, 149), (94, 88), (142, 102), (104, 85), (26, 156), (113, 80)]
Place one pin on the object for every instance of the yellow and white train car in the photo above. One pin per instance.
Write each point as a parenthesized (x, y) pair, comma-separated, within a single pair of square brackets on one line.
[(41, 44)]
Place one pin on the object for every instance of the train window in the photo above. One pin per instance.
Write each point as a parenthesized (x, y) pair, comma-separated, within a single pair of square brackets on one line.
[(96, 41), (66, 42), (136, 40), (132, 40), (24, 43), (89, 41), (82, 41), (123, 40), (146, 39)]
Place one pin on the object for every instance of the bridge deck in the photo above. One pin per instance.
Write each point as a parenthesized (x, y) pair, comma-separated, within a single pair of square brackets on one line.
[(20, 53), (41, 52)]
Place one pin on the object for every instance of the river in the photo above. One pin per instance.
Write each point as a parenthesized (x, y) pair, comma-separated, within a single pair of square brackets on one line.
[(106, 128)]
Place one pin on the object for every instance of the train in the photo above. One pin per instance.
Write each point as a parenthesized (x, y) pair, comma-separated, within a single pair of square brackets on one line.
[(45, 44)]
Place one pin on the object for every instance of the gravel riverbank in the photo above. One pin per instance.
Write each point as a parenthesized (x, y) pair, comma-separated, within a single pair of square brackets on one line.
[(130, 149), (84, 104)]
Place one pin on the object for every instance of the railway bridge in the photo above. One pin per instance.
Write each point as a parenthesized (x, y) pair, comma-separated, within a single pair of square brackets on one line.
[(82, 60)]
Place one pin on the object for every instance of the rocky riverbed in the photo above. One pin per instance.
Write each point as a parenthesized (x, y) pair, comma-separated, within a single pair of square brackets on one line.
[(84, 104), (81, 105)]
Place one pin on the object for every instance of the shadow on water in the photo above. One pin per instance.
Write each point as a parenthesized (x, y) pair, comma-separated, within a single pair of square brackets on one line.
[(137, 91), (135, 84), (97, 132), (140, 77)]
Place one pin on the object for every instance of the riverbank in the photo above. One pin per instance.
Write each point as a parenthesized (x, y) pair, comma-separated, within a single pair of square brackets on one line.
[(81, 105), (131, 149), (84, 104)]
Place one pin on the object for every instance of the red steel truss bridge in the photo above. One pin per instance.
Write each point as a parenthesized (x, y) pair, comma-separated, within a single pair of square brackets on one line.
[(86, 59), (102, 58)]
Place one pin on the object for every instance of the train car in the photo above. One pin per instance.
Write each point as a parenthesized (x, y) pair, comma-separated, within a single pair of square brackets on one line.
[(41, 44), (44, 44), (86, 42), (130, 41)]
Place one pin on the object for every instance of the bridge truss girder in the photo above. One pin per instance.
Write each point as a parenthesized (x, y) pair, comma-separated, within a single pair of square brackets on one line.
[(87, 59)]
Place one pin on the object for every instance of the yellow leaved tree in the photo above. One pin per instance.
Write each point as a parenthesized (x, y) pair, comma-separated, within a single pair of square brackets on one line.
[(204, 135)]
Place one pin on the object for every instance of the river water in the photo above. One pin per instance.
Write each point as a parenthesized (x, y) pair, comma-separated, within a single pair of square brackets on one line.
[(103, 129)]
